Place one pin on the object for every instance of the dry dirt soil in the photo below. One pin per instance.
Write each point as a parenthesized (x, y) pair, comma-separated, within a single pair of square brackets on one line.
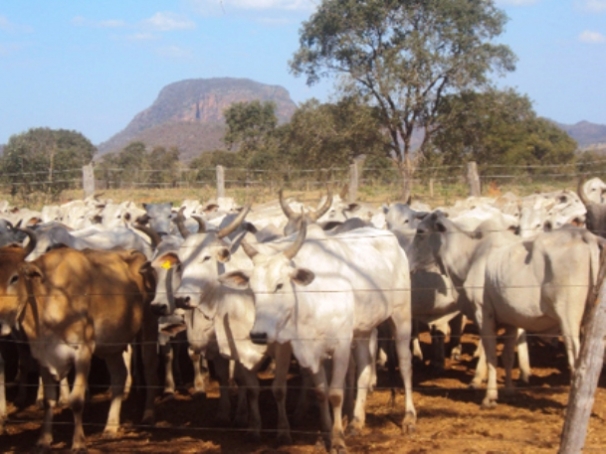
[(449, 417)]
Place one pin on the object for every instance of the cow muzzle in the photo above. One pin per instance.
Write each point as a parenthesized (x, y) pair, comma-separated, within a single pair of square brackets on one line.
[(159, 309), (258, 338), (184, 302)]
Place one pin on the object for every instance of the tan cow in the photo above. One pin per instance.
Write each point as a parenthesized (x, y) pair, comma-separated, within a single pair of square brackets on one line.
[(71, 304)]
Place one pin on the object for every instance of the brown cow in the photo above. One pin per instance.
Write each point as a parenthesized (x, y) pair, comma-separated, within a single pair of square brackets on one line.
[(71, 304)]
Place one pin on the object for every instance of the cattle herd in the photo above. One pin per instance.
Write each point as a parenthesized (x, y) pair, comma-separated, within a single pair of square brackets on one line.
[(331, 289)]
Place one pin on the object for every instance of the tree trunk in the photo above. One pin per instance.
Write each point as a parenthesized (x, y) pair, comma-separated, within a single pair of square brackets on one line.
[(406, 172)]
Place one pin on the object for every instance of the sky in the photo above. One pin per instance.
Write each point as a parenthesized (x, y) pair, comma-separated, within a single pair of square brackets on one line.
[(91, 66)]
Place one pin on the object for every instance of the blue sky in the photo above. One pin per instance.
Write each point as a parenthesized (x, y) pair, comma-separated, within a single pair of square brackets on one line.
[(91, 66)]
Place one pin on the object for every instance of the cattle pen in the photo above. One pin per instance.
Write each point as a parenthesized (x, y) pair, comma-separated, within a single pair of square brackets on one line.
[(449, 415)]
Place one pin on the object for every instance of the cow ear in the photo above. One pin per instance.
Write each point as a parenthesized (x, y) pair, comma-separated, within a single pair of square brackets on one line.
[(167, 260), (302, 276), (238, 280), (30, 271), (353, 207), (223, 255)]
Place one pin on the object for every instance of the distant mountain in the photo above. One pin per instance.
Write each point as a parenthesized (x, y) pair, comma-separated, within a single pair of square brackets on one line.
[(189, 114), (588, 135)]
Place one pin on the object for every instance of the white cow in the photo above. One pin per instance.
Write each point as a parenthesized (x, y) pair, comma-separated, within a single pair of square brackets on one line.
[(539, 285), (325, 294)]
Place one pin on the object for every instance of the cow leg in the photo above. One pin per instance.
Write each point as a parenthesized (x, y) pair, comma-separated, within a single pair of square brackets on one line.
[(199, 377), (438, 335), (481, 370), (416, 343), (488, 333), (118, 372), (457, 325), (278, 387), (251, 384), (511, 337), (167, 353), (149, 355), (571, 334), (321, 390), (78, 394), (127, 357), (222, 370), (363, 360), (374, 346), (49, 386), (340, 363), (523, 356), (400, 325), (350, 391)]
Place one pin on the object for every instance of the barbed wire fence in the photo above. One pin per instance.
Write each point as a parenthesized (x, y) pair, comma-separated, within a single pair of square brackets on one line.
[(459, 180), (471, 177)]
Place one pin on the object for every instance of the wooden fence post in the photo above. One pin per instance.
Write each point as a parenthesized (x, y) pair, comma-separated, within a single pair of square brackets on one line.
[(353, 183), (431, 188), (473, 179), (88, 180), (220, 181), (587, 373)]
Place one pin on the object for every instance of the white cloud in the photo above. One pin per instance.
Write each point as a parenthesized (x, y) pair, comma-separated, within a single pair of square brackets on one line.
[(166, 21), (591, 6), (112, 23), (592, 37), (142, 36), (81, 21), (226, 6), (173, 52)]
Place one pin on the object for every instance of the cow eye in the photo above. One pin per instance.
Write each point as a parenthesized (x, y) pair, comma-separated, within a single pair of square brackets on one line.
[(279, 287), (206, 258), (14, 279)]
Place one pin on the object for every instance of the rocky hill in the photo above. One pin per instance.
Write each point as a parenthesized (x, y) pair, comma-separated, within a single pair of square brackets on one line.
[(588, 135), (189, 114)]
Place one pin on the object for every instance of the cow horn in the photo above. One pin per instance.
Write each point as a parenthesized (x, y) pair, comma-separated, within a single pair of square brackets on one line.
[(249, 249), (32, 241), (180, 222), (288, 211), (234, 224), (581, 192), (151, 233), (323, 209), (201, 224), (292, 250)]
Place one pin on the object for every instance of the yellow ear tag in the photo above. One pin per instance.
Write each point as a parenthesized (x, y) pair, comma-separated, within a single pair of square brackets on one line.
[(167, 264)]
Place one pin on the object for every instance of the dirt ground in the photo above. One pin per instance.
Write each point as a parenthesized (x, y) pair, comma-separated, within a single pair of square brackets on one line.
[(449, 417)]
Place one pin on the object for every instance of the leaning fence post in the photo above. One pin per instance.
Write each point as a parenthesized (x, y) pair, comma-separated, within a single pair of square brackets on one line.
[(587, 372), (220, 181), (353, 183), (473, 179), (88, 180)]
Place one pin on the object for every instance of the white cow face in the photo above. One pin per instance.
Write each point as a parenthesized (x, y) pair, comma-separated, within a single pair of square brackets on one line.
[(202, 257), (275, 282)]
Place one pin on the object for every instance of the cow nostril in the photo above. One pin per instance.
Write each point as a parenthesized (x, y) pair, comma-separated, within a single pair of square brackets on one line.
[(183, 302), (159, 309), (258, 338)]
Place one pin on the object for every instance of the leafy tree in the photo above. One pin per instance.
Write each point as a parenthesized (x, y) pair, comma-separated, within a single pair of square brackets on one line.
[(404, 57), (44, 159), (249, 124), (498, 127), (322, 136)]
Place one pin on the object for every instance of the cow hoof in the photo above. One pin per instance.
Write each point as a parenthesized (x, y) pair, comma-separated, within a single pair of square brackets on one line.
[(488, 404), (409, 423), (79, 449), (149, 418), (110, 434), (475, 385), (340, 449)]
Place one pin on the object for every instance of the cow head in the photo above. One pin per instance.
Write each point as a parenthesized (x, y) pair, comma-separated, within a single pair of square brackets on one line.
[(273, 281)]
